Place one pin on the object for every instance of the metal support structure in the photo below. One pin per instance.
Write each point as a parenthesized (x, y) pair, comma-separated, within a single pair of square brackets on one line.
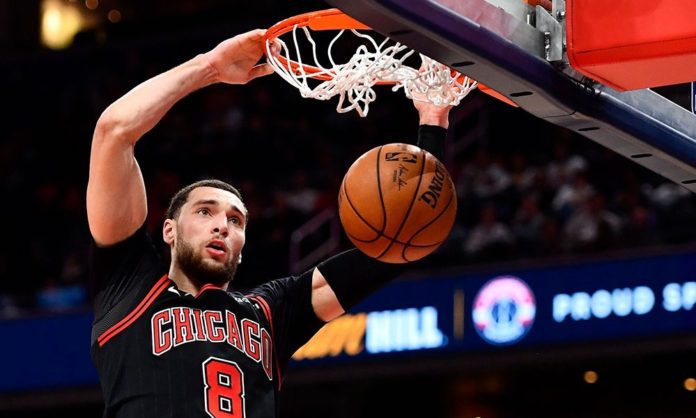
[(551, 25)]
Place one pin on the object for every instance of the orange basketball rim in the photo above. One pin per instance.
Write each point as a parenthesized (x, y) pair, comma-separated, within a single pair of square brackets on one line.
[(332, 20)]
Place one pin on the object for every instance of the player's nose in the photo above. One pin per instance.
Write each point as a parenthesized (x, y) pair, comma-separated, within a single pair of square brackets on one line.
[(220, 225)]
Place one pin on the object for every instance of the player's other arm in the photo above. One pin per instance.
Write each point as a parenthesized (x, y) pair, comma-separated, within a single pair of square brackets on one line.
[(343, 280), (116, 200)]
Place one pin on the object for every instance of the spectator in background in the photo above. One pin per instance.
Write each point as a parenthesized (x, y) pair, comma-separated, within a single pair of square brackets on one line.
[(564, 165), (527, 224), (59, 297), (9, 307), (593, 227), (484, 178), (489, 238), (522, 174), (484, 181), (572, 196), (640, 228), (550, 239)]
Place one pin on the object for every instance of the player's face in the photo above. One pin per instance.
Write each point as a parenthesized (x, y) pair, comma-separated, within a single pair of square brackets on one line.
[(210, 235)]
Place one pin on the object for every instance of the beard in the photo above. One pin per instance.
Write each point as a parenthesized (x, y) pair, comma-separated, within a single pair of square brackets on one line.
[(201, 272)]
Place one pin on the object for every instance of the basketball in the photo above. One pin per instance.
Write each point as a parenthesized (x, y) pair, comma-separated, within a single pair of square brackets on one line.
[(397, 203)]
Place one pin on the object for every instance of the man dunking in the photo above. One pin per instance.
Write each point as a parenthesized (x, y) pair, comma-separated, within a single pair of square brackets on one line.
[(179, 341)]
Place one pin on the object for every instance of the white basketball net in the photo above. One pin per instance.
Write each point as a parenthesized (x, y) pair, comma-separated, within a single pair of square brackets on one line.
[(371, 63)]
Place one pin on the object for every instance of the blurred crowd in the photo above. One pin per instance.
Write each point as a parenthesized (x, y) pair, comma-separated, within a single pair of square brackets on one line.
[(526, 190), (575, 198)]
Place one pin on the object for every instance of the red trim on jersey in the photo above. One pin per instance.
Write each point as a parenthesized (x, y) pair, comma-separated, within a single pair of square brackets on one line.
[(269, 316), (158, 288), (207, 287)]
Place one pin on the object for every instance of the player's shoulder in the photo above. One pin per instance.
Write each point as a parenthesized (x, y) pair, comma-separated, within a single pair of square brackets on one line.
[(239, 297), (269, 292), (255, 304), (250, 299), (272, 290)]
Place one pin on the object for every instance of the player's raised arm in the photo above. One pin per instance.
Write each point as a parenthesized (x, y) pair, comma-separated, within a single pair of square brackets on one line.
[(343, 280), (116, 200)]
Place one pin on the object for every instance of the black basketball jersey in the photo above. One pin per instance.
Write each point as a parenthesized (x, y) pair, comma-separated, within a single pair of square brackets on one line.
[(161, 352)]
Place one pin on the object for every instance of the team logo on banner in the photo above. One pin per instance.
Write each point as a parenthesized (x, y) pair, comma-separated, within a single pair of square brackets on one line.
[(504, 310)]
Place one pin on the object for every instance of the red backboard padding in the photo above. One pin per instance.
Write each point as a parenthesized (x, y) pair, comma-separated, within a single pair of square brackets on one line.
[(633, 44)]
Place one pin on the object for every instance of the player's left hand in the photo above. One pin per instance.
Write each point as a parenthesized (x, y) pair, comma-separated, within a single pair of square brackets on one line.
[(431, 114)]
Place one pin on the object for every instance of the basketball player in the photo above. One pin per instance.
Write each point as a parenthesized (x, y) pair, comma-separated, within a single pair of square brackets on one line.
[(178, 341)]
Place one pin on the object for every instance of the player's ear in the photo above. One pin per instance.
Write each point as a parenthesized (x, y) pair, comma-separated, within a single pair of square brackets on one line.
[(169, 231)]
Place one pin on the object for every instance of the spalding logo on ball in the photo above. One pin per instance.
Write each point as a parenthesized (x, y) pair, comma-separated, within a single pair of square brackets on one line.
[(397, 203)]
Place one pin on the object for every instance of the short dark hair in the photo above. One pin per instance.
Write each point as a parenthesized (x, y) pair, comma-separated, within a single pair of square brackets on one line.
[(180, 198)]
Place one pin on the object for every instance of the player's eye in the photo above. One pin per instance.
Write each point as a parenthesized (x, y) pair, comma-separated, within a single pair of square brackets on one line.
[(203, 211), (235, 220)]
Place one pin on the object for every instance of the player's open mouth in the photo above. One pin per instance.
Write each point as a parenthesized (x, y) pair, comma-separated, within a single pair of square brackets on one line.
[(216, 247)]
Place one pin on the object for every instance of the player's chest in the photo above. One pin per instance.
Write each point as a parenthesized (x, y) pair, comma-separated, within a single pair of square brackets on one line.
[(213, 324)]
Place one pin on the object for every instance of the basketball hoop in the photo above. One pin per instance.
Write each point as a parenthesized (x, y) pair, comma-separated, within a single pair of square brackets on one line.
[(372, 63)]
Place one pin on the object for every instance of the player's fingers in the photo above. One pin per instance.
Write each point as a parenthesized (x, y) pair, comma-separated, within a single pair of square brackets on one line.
[(256, 34), (260, 71)]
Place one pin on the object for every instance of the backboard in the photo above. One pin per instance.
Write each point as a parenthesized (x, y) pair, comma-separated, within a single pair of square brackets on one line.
[(519, 50)]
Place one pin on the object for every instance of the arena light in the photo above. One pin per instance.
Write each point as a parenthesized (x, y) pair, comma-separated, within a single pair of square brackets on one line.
[(590, 377), (60, 22), (114, 16)]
